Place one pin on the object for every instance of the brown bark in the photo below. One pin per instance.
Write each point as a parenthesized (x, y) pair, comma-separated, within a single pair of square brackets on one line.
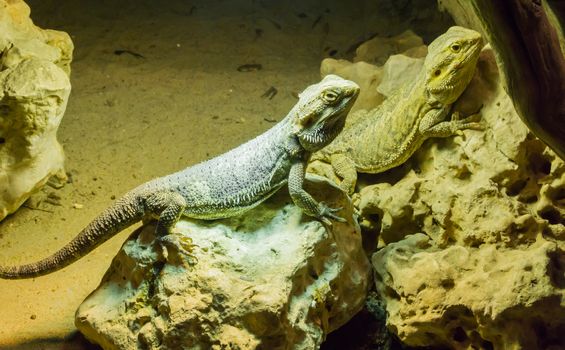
[(529, 57)]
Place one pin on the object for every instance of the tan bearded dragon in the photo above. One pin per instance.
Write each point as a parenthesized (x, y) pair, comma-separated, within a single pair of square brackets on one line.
[(388, 135)]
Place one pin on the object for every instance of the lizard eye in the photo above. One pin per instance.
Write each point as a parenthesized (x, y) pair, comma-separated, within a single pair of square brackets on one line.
[(455, 47), (329, 96), (437, 73)]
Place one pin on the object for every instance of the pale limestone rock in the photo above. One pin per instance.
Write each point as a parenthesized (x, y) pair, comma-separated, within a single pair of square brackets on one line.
[(270, 279), (490, 270), (378, 49), (399, 70), (34, 90), (416, 52), (473, 298)]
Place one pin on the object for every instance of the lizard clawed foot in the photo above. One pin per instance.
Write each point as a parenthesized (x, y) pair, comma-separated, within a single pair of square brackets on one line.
[(326, 213), (178, 248), (469, 122)]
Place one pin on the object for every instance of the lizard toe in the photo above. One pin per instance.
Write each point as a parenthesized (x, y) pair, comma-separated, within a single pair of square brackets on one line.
[(178, 249), (327, 213)]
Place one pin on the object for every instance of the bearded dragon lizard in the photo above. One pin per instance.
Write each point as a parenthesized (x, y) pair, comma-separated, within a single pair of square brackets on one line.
[(389, 134), (225, 186)]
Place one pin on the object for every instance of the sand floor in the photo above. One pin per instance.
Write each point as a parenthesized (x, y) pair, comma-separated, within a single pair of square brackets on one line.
[(132, 118)]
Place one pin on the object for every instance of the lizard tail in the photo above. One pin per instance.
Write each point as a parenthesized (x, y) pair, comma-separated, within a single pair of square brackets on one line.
[(125, 212)]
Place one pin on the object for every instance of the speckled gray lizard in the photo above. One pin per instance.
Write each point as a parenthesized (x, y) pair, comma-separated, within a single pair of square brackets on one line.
[(224, 186)]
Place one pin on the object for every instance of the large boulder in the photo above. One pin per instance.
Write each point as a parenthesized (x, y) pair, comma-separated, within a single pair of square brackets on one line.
[(34, 90), (270, 279), (484, 297), (472, 233)]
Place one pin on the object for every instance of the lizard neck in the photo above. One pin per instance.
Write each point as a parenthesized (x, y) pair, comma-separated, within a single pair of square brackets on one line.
[(285, 133)]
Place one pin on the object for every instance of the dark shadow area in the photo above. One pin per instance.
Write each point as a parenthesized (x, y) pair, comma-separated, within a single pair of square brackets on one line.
[(76, 341)]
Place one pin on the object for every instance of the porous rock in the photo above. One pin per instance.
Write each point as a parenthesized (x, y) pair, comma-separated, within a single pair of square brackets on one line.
[(34, 90), (270, 279), (483, 297), (472, 233)]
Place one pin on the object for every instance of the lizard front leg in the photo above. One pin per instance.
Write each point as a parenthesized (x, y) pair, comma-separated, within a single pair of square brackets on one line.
[(304, 200), (344, 167), (434, 125), (168, 206)]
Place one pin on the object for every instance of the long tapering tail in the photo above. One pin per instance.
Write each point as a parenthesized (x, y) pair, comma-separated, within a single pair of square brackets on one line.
[(125, 212)]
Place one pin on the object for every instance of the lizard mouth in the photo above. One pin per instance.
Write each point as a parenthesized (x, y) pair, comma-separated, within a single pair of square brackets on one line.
[(329, 125), (318, 136), (459, 75)]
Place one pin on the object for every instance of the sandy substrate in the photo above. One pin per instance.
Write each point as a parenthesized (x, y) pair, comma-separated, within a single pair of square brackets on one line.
[(172, 98)]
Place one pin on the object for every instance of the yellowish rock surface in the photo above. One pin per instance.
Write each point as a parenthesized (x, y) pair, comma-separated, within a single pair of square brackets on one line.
[(270, 279), (34, 90), (471, 231), (464, 297)]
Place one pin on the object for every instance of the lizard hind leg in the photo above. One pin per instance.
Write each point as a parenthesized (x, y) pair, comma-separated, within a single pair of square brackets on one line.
[(168, 207)]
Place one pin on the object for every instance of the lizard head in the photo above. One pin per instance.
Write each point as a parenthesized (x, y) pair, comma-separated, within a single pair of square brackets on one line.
[(450, 63), (319, 115)]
